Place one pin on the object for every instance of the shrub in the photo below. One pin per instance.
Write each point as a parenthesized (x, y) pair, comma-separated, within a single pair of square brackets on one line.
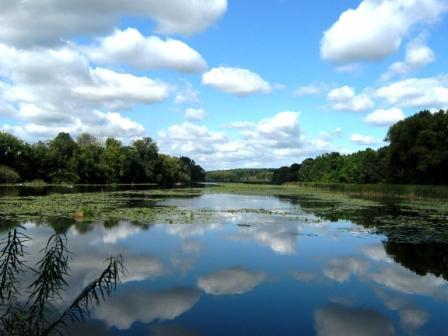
[(8, 175)]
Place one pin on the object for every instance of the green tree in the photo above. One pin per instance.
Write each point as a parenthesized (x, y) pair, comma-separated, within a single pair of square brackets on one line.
[(148, 157), (62, 155)]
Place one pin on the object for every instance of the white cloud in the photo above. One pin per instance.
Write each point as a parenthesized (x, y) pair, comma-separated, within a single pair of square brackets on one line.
[(189, 138), (231, 281), (428, 93), (376, 28), (53, 90), (117, 90), (35, 22), (418, 54), (140, 305), (187, 95), (239, 124), (272, 141), (384, 117), (192, 114), (145, 52), (345, 99), (364, 139), (109, 124), (306, 90), (241, 82)]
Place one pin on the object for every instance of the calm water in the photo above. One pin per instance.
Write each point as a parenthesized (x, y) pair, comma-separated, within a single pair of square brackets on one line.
[(279, 271)]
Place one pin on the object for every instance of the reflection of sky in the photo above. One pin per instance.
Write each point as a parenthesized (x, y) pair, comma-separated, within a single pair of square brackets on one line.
[(252, 271)]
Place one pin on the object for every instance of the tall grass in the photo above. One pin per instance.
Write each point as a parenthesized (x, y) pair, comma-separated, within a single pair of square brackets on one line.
[(380, 190)]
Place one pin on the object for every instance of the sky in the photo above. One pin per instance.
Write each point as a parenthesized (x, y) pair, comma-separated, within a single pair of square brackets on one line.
[(229, 83)]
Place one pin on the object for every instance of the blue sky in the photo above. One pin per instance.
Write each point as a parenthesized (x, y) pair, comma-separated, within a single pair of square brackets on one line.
[(229, 83)]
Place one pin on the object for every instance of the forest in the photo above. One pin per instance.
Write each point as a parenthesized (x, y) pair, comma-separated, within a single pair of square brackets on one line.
[(88, 160), (240, 175), (417, 154)]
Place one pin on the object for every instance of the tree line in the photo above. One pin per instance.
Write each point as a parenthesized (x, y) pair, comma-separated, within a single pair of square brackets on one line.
[(88, 160), (240, 175), (417, 154)]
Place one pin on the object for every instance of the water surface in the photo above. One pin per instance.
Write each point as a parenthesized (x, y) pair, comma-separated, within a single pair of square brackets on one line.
[(260, 265)]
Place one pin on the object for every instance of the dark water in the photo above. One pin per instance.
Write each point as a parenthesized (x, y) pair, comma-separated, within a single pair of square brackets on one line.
[(261, 266), (65, 189)]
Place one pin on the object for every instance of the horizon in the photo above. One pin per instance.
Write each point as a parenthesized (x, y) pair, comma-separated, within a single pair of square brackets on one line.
[(230, 84)]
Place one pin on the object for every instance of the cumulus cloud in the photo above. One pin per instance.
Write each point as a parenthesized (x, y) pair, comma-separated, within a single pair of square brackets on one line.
[(364, 139), (376, 28), (192, 114), (231, 281), (272, 141), (117, 90), (142, 305), (187, 95), (109, 124), (431, 92), (338, 320), (32, 23), (241, 82), (418, 54), (145, 52), (345, 99), (384, 117), (53, 90)]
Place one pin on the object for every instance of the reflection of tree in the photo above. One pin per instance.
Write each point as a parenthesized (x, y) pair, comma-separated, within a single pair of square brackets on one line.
[(35, 315), (420, 258)]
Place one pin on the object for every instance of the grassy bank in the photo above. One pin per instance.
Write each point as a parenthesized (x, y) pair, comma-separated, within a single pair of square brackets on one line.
[(405, 191)]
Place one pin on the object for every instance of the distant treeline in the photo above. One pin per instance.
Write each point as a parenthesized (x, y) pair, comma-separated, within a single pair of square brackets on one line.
[(240, 175), (89, 160), (417, 154)]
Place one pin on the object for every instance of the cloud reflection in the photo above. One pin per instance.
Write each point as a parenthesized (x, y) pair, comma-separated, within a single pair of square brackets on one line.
[(235, 280), (142, 305), (337, 320)]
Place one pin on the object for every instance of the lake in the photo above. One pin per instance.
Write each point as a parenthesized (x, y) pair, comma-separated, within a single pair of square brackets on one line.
[(225, 263)]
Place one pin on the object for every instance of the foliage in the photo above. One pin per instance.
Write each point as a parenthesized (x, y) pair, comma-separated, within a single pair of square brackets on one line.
[(417, 154), (35, 314), (8, 175), (89, 160), (419, 149), (240, 175)]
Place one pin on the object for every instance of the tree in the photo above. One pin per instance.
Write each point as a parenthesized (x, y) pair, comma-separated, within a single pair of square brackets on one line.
[(195, 171), (147, 152), (419, 149), (62, 152), (113, 161), (91, 169)]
